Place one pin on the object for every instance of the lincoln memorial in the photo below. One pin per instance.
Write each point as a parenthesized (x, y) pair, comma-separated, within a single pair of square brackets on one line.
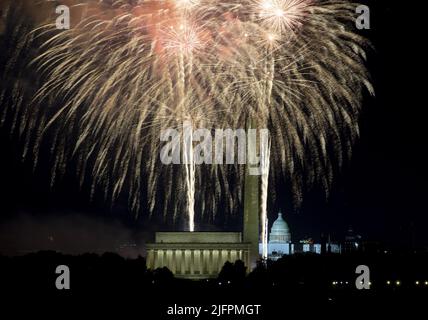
[(196, 255)]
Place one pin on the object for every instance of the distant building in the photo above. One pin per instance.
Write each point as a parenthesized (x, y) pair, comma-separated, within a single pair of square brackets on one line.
[(196, 255), (280, 242), (279, 239), (352, 242)]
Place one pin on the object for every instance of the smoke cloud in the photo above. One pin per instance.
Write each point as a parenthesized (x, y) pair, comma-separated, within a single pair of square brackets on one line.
[(69, 233)]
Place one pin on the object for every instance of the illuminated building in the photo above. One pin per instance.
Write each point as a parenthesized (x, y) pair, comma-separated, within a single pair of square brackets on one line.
[(197, 255), (280, 242)]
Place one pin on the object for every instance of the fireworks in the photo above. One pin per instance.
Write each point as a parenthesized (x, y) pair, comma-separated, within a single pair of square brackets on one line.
[(126, 71), (281, 16)]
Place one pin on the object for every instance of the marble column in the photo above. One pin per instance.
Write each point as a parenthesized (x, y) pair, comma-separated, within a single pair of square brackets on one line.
[(150, 259), (233, 255), (210, 262), (156, 259), (192, 261), (215, 263), (183, 261), (164, 257), (197, 261)]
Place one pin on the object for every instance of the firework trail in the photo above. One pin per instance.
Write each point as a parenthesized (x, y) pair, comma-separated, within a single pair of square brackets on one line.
[(265, 164), (127, 70), (189, 163)]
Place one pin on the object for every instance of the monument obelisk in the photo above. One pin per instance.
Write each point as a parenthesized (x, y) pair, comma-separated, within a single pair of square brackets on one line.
[(251, 210)]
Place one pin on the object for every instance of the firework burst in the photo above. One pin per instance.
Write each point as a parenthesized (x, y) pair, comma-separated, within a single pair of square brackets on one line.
[(126, 71)]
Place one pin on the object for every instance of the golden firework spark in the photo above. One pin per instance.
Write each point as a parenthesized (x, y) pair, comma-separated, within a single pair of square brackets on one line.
[(126, 71)]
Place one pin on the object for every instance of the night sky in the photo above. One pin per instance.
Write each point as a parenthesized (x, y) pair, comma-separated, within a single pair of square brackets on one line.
[(381, 193)]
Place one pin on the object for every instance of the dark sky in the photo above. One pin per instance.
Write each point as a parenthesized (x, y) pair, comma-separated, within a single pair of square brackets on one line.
[(381, 193)]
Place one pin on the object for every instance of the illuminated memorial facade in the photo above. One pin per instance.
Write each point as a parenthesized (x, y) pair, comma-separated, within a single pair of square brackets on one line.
[(196, 255)]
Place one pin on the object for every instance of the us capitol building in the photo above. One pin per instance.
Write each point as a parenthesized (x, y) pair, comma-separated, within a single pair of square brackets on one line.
[(280, 242)]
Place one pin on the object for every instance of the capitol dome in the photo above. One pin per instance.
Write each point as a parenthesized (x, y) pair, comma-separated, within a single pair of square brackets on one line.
[(280, 233)]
